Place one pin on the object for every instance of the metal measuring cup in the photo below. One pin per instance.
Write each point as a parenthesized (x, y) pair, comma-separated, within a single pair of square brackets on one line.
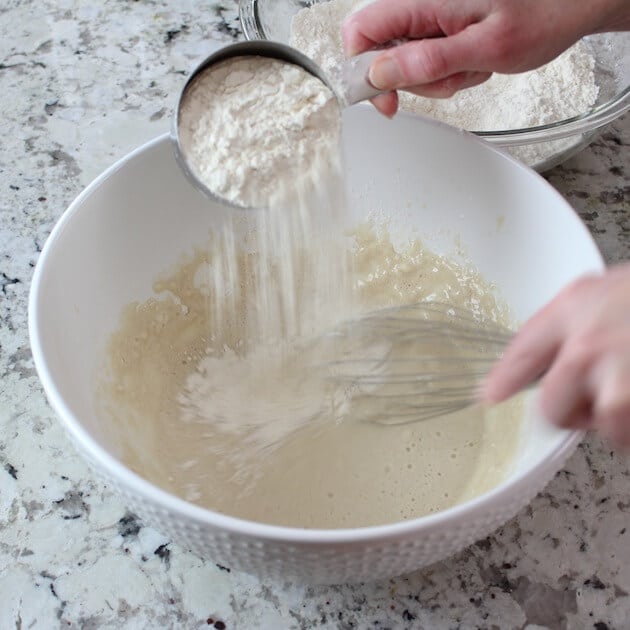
[(349, 83)]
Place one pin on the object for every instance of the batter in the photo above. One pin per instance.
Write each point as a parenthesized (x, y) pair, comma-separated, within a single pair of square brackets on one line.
[(255, 434)]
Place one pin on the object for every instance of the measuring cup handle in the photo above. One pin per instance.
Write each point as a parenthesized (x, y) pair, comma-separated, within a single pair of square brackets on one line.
[(355, 79)]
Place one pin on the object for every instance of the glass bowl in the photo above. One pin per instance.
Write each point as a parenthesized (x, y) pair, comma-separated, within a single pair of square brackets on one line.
[(557, 141)]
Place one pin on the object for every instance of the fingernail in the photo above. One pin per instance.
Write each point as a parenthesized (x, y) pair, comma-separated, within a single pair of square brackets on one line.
[(385, 73)]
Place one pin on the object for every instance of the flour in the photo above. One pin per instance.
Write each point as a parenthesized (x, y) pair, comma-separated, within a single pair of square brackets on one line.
[(264, 133), (316, 31), (255, 128), (261, 399), (563, 88)]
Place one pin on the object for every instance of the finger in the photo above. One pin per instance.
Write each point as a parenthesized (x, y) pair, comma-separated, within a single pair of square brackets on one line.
[(387, 103), (383, 21), (615, 427), (566, 390), (428, 60), (529, 354), (580, 416), (445, 88), (583, 422), (536, 346), (612, 405)]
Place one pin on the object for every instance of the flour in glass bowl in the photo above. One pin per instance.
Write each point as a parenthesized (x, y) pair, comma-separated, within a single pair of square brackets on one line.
[(563, 88)]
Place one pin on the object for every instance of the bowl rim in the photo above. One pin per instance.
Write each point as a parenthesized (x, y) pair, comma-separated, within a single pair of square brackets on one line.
[(597, 117), (151, 493)]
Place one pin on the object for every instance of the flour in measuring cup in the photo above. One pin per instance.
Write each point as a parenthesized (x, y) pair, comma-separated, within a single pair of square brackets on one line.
[(254, 128)]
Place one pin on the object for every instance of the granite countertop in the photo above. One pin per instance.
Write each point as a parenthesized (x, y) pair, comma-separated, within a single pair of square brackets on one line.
[(81, 83)]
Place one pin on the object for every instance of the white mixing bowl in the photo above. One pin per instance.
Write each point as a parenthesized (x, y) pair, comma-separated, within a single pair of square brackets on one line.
[(135, 222)]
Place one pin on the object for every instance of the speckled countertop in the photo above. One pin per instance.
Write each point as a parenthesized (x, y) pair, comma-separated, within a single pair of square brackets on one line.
[(83, 82)]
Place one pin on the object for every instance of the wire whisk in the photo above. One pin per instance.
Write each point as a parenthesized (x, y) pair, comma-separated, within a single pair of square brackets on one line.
[(411, 363)]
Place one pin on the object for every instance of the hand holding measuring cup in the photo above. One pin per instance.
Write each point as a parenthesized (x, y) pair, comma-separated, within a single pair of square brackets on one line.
[(457, 44)]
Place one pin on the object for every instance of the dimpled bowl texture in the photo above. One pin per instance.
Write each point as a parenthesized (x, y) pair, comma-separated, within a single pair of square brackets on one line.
[(139, 218), (271, 19)]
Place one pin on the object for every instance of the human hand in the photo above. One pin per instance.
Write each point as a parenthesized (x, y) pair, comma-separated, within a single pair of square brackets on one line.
[(581, 342), (457, 44)]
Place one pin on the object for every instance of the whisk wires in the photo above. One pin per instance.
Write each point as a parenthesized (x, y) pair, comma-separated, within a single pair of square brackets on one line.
[(412, 363)]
